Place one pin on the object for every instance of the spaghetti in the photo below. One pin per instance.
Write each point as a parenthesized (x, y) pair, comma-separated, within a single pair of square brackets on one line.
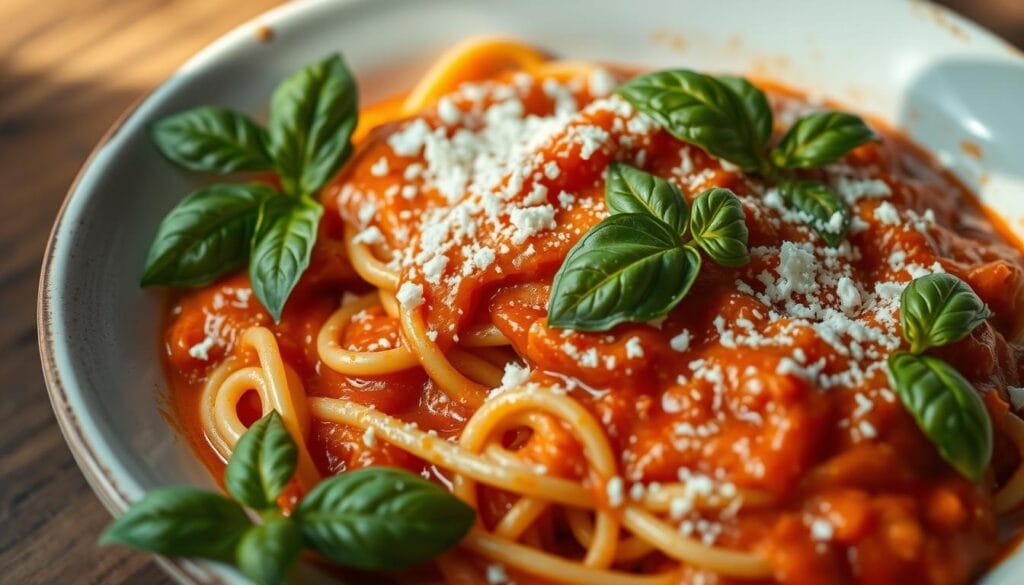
[(655, 454)]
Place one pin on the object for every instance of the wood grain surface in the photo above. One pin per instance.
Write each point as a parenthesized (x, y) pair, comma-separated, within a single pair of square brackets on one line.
[(67, 69)]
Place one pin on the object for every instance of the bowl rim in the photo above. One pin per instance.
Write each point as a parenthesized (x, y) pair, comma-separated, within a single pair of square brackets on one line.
[(103, 483)]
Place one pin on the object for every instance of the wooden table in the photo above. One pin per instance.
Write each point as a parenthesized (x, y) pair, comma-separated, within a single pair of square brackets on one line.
[(67, 69)]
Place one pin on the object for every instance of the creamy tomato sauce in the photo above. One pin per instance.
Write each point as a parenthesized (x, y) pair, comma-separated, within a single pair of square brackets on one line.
[(769, 377)]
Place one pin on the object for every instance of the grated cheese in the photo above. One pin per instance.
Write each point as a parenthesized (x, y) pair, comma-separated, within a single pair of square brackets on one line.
[(592, 138), (531, 220), (448, 111), (614, 489), (370, 437), (600, 83), (633, 348), (410, 295), (681, 342), (379, 168), (371, 235), (822, 530), (887, 214), (496, 575)]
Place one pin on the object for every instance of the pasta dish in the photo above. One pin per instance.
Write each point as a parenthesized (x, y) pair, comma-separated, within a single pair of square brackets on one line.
[(651, 328)]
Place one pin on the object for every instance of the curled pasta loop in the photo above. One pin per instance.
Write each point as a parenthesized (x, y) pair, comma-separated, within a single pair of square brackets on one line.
[(470, 60), (480, 459), (581, 424), (483, 336), (279, 388), (359, 363), (366, 265), (455, 385), (582, 527)]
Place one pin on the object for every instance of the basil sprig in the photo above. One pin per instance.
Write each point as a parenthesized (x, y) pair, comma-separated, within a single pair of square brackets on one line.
[(381, 519), (373, 518), (935, 310), (312, 117), (947, 408), (220, 228), (731, 119), (629, 267), (206, 236), (630, 190), (182, 522), (820, 138), (938, 309), (719, 226), (825, 211), (636, 264), (212, 139), (285, 235), (262, 464), (268, 551), (701, 110)]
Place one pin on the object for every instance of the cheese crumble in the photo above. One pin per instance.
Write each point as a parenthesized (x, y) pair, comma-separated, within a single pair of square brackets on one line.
[(410, 295)]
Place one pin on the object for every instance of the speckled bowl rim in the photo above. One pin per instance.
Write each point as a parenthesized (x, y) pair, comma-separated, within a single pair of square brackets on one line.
[(102, 482), (99, 478)]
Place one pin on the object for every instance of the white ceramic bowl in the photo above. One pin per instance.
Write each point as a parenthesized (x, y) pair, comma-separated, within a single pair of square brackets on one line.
[(938, 76)]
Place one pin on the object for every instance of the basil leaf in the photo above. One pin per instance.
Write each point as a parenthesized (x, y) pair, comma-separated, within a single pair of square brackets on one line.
[(285, 235), (312, 116), (181, 522), (827, 213), (206, 236), (719, 226), (947, 409), (381, 519), (629, 267), (212, 139), (820, 138), (755, 104), (630, 190), (698, 109), (262, 463), (938, 309), (267, 552)]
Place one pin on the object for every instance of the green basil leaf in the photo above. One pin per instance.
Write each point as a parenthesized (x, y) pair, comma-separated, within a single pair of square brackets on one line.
[(719, 226), (827, 213), (755, 104), (947, 409), (181, 522), (381, 519), (312, 116), (629, 267), (206, 236), (698, 109), (267, 553), (212, 139), (938, 309), (630, 190), (262, 463), (820, 138), (285, 235)]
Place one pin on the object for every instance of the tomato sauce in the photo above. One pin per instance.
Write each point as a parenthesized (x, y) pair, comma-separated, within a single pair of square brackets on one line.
[(857, 493)]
